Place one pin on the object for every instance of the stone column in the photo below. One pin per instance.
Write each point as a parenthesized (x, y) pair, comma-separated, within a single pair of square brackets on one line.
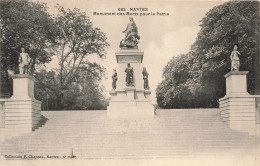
[(237, 107), (22, 110)]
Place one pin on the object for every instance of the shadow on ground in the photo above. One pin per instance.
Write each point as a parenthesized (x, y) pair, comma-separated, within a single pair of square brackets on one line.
[(42, 122)]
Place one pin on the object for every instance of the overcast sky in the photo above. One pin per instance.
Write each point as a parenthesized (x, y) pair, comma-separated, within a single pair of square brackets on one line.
[(162, 37)]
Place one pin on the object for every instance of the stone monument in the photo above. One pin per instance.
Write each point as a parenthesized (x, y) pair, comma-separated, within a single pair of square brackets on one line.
[(130, 100), (238, 107), (22, 110)]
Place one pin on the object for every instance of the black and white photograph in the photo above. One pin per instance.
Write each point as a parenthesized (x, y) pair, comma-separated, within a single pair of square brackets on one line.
[(129, 83)]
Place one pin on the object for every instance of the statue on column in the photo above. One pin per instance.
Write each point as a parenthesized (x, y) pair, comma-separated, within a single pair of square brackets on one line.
[(114, 77), (129, 75), (24, 62), (235, 63), (145, 78), (131, 35)]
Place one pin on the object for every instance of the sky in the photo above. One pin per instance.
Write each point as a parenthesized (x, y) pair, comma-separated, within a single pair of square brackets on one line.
[(162, 37)]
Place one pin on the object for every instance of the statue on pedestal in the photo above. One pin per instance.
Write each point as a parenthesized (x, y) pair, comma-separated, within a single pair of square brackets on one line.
[(24, 62), (131, 36), (129, 75), (114, 77), (145, 78), (235, 63)]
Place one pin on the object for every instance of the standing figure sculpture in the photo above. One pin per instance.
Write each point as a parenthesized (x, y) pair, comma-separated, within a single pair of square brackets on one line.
[(145, 78), (114, 77), (235, 63), (129, 75), (131, 35), (24, 62)]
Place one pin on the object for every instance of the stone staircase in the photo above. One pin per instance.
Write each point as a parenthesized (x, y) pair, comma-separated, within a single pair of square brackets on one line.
[(171, 134)]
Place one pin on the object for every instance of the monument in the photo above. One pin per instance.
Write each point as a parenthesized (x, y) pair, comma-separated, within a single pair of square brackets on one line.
[(130, 99), (238, 107), (22, 110)]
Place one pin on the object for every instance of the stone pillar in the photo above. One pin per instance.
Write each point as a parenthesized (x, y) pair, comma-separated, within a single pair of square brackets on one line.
[(22, 110), (23, 86), (236, 84), (237, 107), (130, 102)]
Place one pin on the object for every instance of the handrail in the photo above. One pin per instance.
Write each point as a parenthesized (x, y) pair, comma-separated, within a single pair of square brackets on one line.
[(257, 102), (254, 92), (5, 95), (2, 113)]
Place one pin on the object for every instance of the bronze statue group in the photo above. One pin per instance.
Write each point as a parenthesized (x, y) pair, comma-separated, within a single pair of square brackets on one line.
[(130, 77)]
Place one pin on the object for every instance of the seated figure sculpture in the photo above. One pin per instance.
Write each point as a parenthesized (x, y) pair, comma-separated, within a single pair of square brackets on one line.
[(131, 36)]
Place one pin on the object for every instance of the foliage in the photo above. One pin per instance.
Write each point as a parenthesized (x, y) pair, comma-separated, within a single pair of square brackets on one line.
[(196, 79), (76, 39), (84, 93), (24, 24), (69, 37)]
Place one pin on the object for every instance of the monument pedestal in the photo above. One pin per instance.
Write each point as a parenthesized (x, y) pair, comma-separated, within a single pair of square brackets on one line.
[(130, 102), (238, 108), (22, 110)]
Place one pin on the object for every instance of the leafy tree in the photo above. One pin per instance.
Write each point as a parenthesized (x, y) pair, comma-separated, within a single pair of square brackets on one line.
[(76, 39), (197, 78), (24, 24), (85, 91)]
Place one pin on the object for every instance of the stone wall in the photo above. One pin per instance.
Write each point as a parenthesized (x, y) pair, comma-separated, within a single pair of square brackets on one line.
[(21, 112), (238, 108)]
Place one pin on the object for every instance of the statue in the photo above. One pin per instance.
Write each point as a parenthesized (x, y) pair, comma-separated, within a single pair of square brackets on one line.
[(235, 59), (24, 62), (114, 77), (131, 36), (129, 75), (145, 78)]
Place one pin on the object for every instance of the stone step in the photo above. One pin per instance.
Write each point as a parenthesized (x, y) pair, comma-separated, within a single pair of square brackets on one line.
[(172, 133)]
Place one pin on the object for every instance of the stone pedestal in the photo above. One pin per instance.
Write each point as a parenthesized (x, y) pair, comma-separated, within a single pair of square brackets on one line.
[(130, 102), (237, 107), (236, 84), (22, 110)]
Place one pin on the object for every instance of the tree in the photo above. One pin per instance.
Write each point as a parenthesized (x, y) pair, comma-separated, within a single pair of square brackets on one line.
[(198, 76), (24, 24), (85, 92), (76, 40)]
